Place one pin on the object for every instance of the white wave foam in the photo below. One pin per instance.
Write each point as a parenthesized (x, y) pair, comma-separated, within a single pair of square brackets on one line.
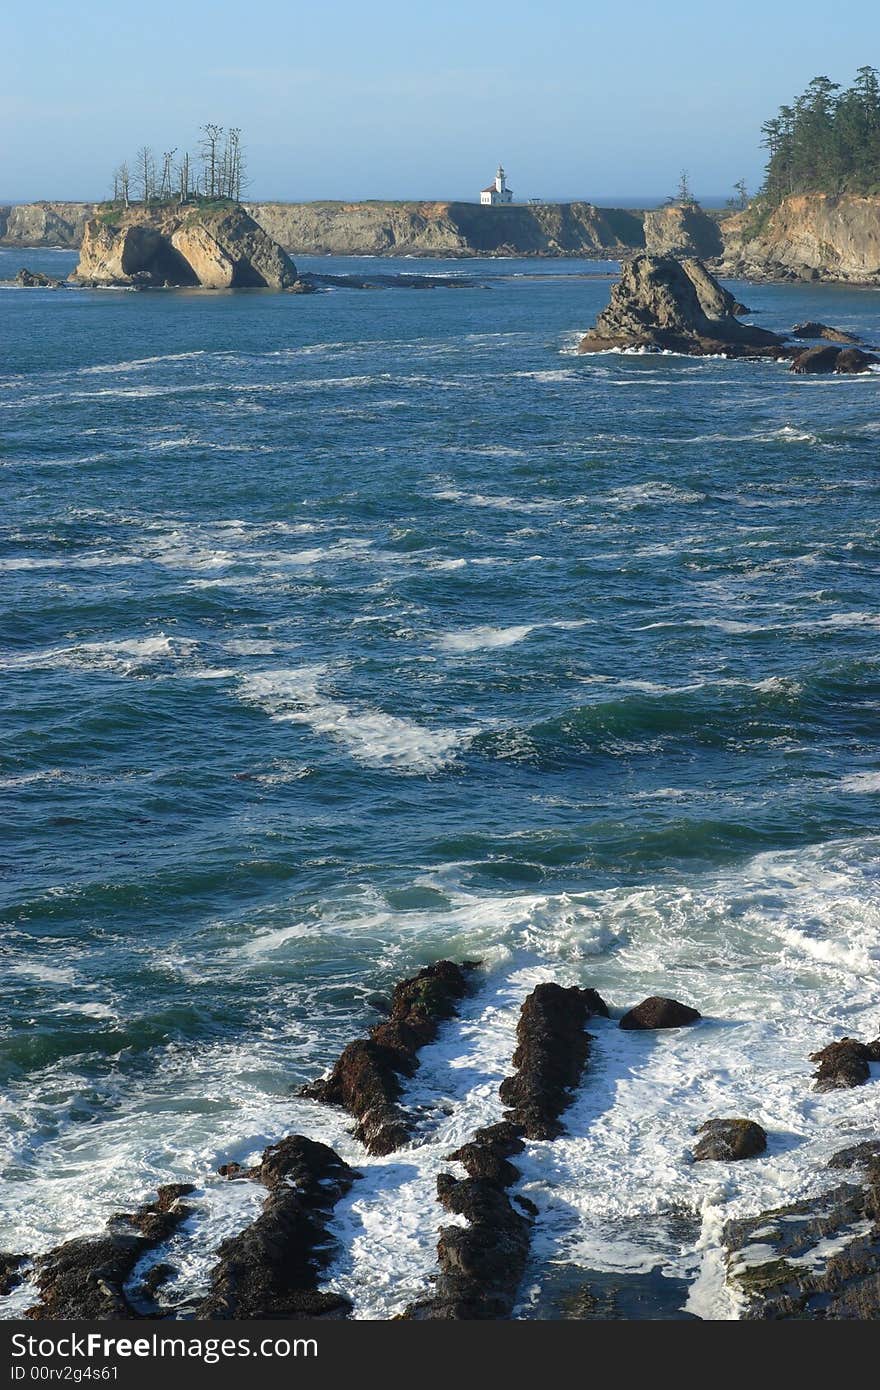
[(502, 502), (483, 638), (73, 562), (614, 1191), (861, 782), (371, 736), (122, 657)]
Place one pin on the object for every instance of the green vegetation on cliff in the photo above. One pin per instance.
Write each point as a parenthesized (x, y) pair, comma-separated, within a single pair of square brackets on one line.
[(828, 141)]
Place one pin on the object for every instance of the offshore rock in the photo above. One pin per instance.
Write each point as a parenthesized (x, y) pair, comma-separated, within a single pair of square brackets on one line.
[(367, 1078), (552, 1050), (842, 361), (657, 1012), (715, 301), (844, 1064), (810, 329), (661, 303), (84, 1279), (217, 248), (271, 1268), (37, 280), (727, 1141)]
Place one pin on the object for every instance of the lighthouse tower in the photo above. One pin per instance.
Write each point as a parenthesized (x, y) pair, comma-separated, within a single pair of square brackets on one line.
[(497, 192)]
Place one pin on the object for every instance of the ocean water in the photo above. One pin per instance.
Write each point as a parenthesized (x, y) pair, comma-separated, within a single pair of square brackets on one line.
[(346, 631)]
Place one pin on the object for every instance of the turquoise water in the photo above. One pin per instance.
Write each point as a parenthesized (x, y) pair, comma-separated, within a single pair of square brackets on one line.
[(347, 630)]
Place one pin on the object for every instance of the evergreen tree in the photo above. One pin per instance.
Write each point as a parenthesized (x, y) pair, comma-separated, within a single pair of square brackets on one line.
[(828, 141)]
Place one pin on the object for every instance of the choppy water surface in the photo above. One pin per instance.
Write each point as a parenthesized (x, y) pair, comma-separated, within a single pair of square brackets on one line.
[(344, 631)]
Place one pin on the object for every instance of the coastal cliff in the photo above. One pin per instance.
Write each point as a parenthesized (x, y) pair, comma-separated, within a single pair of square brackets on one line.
[(682, 230), (44, 224), (216, 248), (809, 236), (384, 228), (450, 229)]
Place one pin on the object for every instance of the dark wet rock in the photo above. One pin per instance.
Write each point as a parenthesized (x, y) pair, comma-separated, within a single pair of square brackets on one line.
[(816, 1259), (552, 1050), (812, 329), (487, 1154), (726, 1141), (841, 361), (657, 1012), (271, 1269), (661, 303), (37, 280), (84, 1279), (367, 1078), (857, 1156), (481, 1265), (389, 282), (232, 1170), (380, 1002), (11, 1271), (155, 1277), (844, 1064)]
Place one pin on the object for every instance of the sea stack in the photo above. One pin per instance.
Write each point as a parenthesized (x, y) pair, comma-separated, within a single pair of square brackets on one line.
[(217, 248), (661, 303)]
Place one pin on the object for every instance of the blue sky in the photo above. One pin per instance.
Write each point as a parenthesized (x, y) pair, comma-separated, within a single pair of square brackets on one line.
[(408, 100)]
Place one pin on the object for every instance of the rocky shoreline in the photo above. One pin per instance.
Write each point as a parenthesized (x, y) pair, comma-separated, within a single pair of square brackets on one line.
[(809, 238), (815, 1258)]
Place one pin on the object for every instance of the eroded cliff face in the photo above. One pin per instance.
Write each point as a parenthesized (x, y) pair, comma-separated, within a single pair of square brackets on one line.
[(217, 249), (384, 229), (812, 236), (44, 224), (449, 229), (682, 231)]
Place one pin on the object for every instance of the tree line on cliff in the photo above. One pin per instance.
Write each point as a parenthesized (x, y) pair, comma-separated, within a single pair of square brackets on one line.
[(827, 141), (217, 172)]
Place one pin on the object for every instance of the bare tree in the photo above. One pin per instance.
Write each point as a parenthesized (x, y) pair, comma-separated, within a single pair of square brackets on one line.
[(231, 166), (210, 152), (145, 165), (165, 187), (222, 172), (240, 168), (183, 178)]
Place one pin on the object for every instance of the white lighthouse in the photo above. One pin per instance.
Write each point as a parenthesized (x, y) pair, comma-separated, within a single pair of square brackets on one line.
[(497, 192)]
